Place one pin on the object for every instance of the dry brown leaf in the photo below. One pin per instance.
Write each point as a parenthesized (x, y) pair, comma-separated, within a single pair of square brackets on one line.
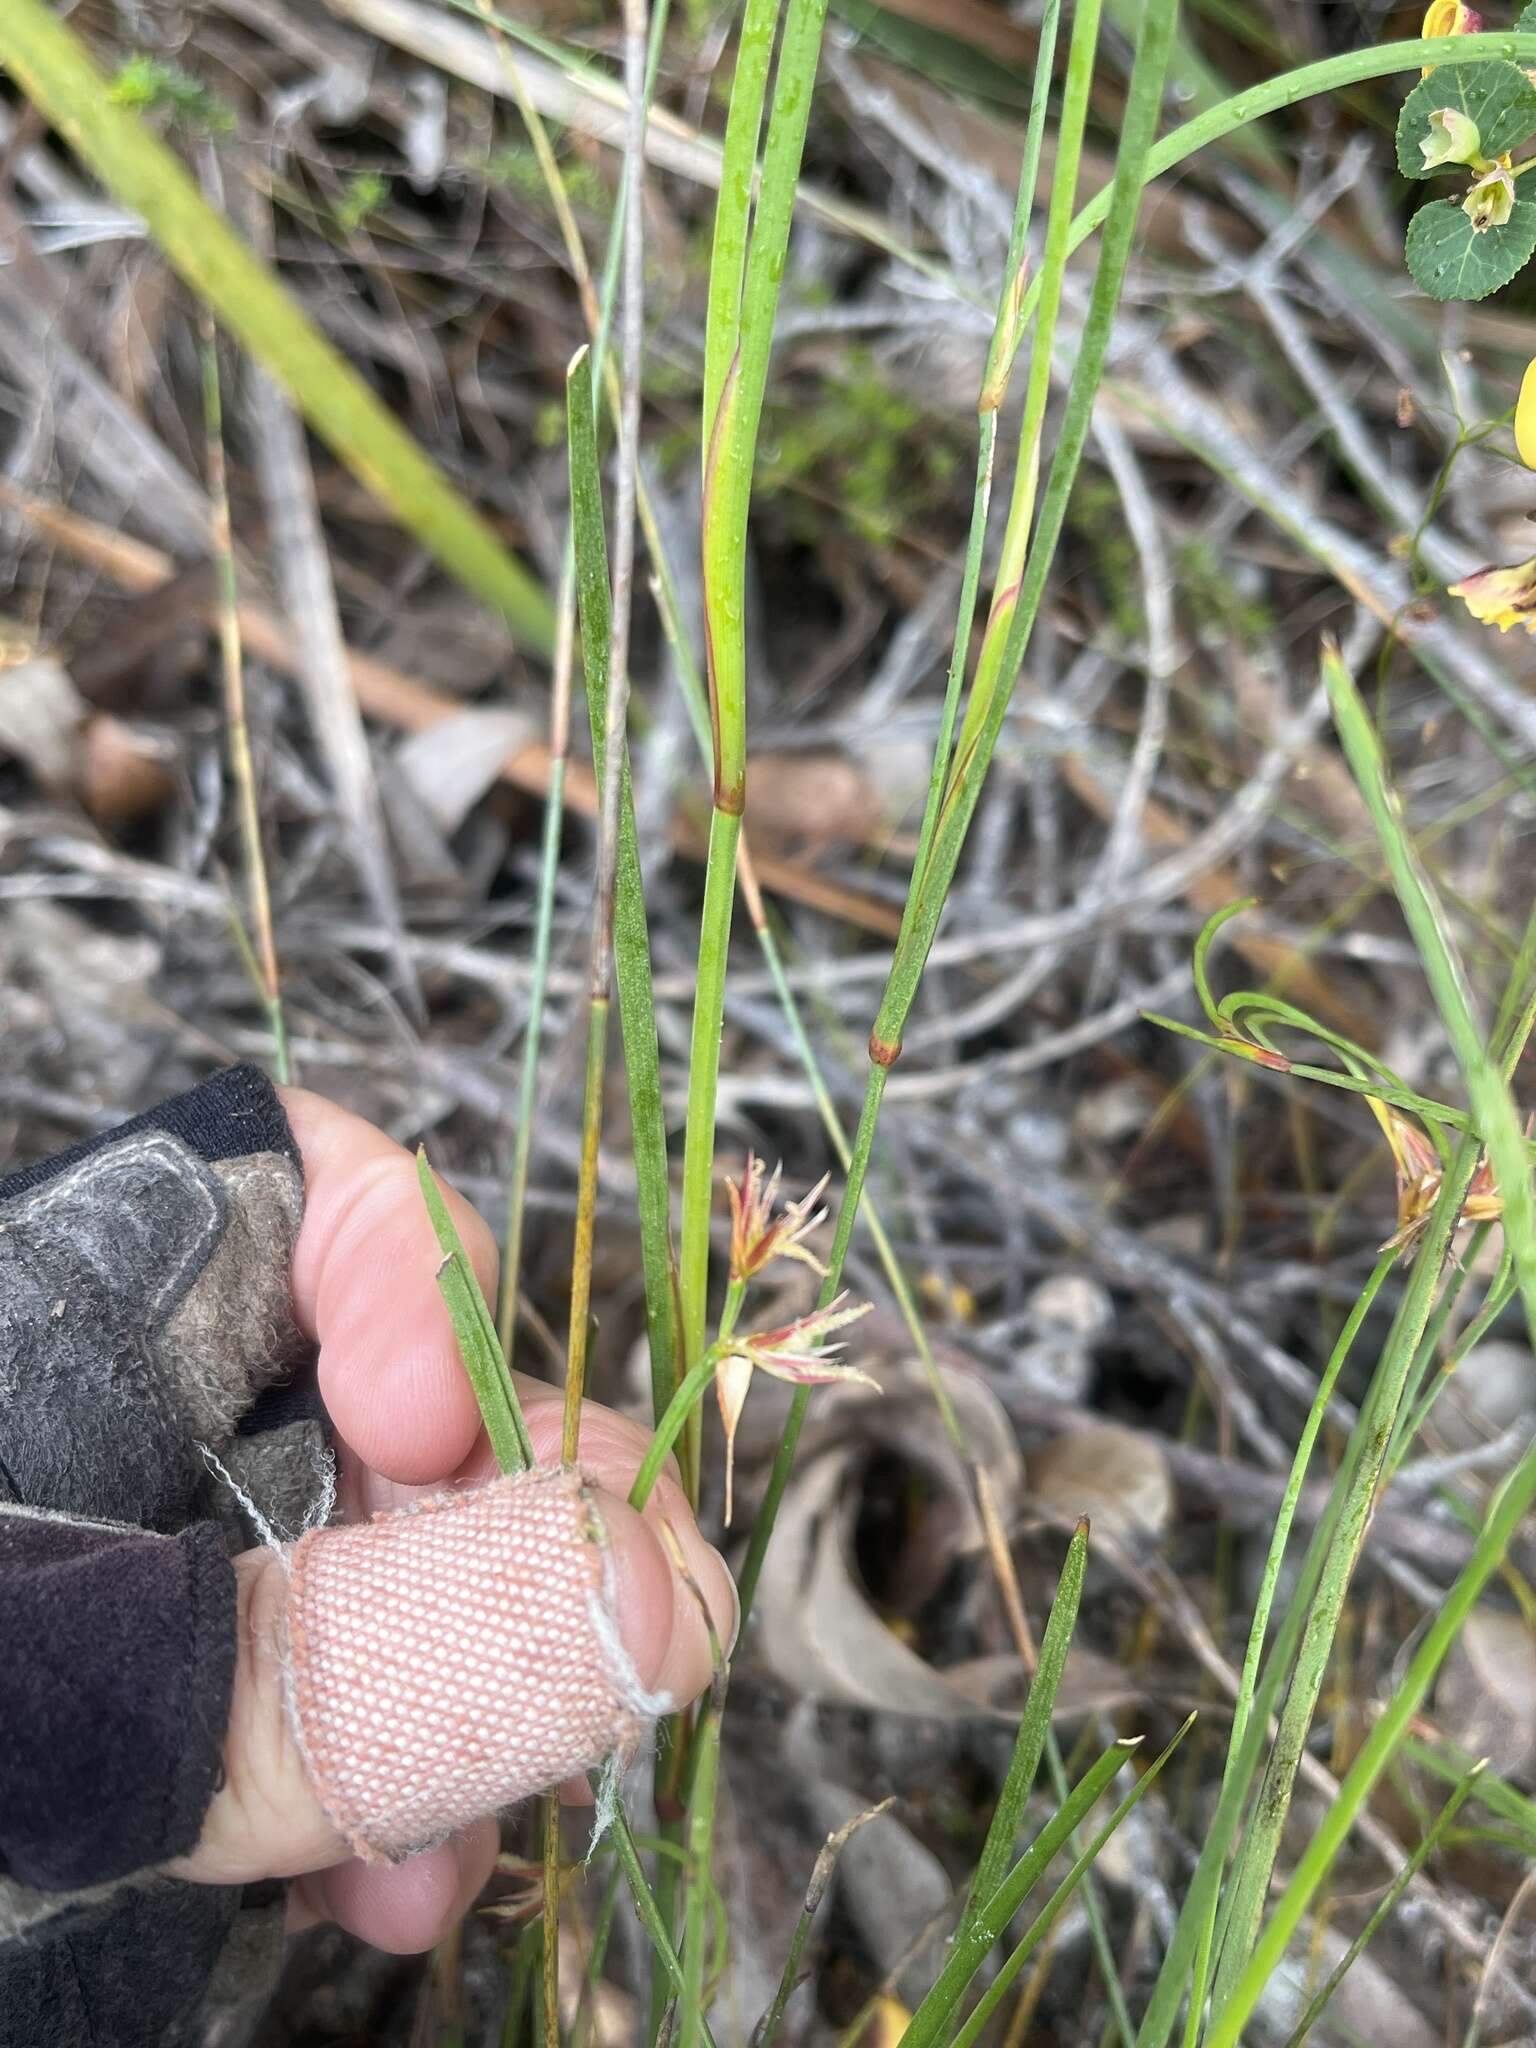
[(1485, 1697), (1493, 1388), (1115, 1476), (817, 1629), (814, 799), (121, 776), (448, 767), (40, 714)]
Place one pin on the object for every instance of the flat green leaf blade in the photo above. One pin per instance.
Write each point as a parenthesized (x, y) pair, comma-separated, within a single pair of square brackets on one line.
[(1029, 1744), (1449, 259), (475, 1333), (1047, 1916), (1497, 97), (631, 929), (930, 2023)]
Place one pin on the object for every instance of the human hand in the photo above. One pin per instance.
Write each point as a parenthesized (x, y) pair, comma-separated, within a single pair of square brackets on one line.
[(407, 1426)]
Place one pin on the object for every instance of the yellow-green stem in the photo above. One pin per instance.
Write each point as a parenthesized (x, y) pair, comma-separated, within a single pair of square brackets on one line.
[(237, 729), (703, 1078), (586, 1219), (551, 1919)]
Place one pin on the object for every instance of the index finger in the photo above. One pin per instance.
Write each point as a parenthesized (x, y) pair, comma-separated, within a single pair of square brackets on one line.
[(365, 1290)]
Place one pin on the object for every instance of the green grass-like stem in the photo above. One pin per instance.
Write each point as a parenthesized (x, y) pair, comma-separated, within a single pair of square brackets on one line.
[(705, 1761), (528, 1073), (1511, 1504), (586, 1222), (670, 1426), (611, 781), (745, 275), (1242, 1710), (1355, 1491), (704, 1077), (1450, 1765), (646, 1909), (1064, 173), (631, 931), (931, 2022), (1274, 95), (1050, 1912), (738, 342), (1388, 1901), (1007, 333), (1487, 1087), (261, 945), (474, 1330), (1507, 1148), (930, 885), (598, 313), (1034, 1727), (1201, 1899), (733, 208)]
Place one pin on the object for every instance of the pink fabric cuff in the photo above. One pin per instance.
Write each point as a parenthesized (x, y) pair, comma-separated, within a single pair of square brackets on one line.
[(449, 1658)]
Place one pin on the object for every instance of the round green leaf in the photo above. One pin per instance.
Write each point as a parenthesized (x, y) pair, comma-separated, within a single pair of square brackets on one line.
[(1449, 259), (1526, 19), (1497, 96)]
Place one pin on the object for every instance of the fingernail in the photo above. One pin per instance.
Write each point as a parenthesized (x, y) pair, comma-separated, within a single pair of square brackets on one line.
[(735, 1634)]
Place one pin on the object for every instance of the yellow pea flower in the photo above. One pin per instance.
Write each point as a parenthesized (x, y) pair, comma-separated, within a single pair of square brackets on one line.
[(1525, 417), (1501, 597), (1449, 18)]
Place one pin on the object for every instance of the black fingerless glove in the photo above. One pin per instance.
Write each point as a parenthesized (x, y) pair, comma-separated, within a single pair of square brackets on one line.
[(148, 1358)]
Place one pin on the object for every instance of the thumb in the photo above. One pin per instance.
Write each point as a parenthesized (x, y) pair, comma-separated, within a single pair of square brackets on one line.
[(398, 1678)]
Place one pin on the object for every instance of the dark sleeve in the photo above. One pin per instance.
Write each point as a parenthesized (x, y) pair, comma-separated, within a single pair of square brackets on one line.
[(145, 1322), (117, 1652), (145, 1282)]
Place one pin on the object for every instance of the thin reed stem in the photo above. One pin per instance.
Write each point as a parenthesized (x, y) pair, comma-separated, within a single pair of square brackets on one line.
[(1359, 1476), (550, 1918), (703, 1793), (1069, 149), (745, 274), (931, 2023), (237, 732), (1510, 1506), (543, 938), (1007, 333), (616, 714), (1242, 1711), (1048, 1915), (1422, 1852), (612, 784), (930, 885), (671, 1425), (586, 1221), (631, 940)]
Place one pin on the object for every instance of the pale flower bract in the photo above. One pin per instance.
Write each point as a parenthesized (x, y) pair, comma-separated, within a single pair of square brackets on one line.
[(1453, 138)]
